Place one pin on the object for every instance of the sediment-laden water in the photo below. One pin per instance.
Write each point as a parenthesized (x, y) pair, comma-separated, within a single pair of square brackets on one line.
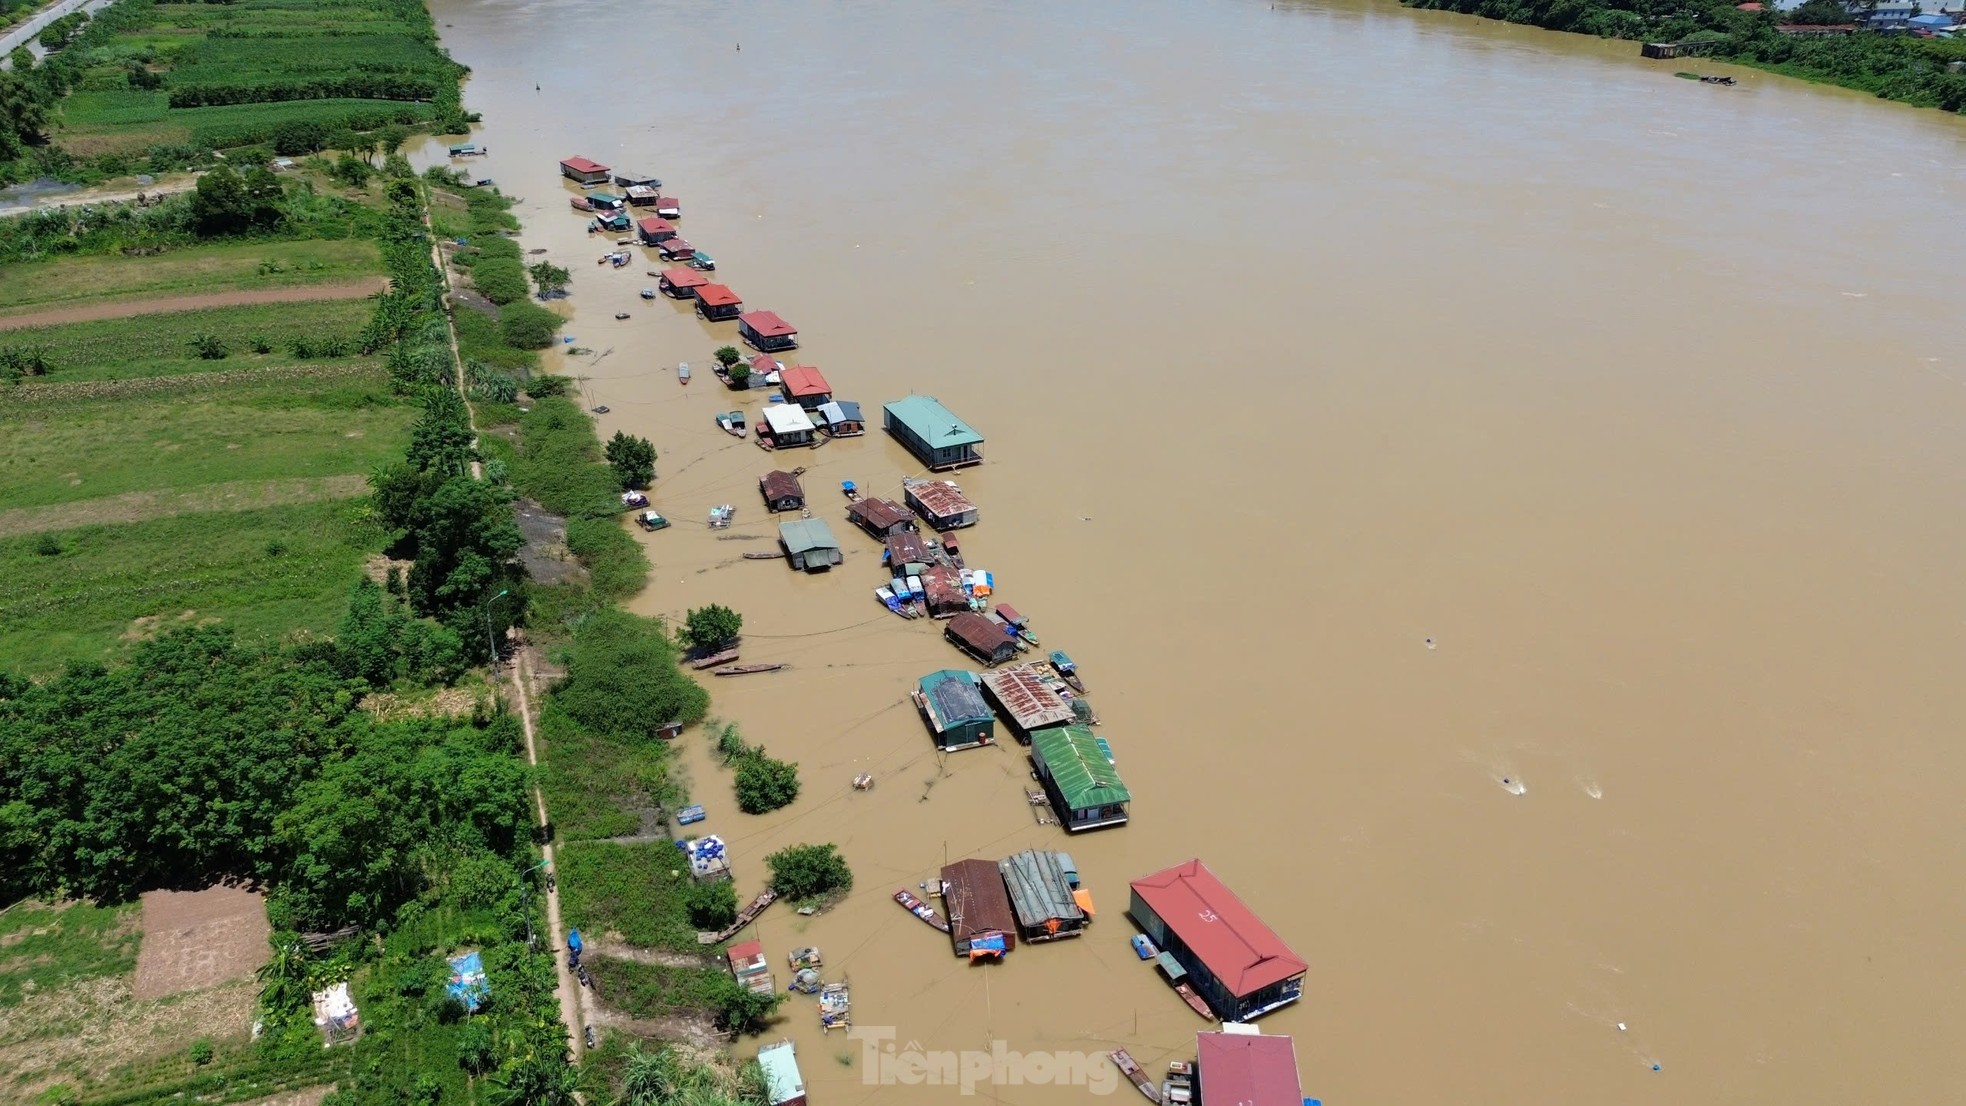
[(1380, 406)]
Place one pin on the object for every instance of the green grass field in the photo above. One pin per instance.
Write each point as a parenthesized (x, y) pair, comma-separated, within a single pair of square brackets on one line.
[(199, 270), (66, 452), (635, 890), (43, 947), (266, 572), (160, 345)]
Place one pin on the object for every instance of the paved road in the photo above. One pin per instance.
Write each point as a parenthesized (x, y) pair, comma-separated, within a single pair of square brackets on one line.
[(23, 35)]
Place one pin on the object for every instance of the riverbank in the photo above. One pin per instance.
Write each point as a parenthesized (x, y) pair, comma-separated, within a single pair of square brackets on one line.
[(1920, 71)]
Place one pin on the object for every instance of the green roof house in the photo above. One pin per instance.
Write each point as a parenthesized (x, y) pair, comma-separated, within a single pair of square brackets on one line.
[(933, 433), (810, 544), (1084, 787), (951, 702)]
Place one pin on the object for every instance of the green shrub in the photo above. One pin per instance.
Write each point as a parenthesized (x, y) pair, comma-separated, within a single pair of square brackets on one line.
[(712, 905), (809, 871), (765, 784), (526, 325)]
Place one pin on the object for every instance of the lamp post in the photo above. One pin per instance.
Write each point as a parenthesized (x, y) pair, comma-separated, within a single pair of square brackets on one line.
[(525, 892), (490, 638)]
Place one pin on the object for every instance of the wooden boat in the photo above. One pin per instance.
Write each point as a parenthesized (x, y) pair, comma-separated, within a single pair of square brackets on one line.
[(1124, 1061), (648, 293), (807, 957), (703, 261), (732, 423), (746, 669), (690, 815), (1067, 670), (716, 659), (863, 782), (1177, 977), (805, 981), (920, 909), (621, 314), (580, 203), (650, 521), (850, 490), (744, 918), (682, 371), (720, 516), (764, 556), (1144, 947), (1194, 1001)]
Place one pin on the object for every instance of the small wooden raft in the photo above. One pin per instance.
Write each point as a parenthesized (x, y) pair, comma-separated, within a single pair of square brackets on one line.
[(746, 669), (714, 659), (744, 918), (1132, 1071), (757, 555)]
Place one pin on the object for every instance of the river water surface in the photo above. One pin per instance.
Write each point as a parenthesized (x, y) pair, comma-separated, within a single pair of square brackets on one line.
[(1303, 336)]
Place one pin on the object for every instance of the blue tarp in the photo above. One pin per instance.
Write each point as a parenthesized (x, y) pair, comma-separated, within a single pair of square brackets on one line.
[(573, 940), (989, 942), (467, 983)]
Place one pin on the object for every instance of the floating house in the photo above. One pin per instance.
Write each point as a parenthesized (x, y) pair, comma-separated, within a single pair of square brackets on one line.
[(942, 591), (784, 1085), (1084, 787), (1248, 1069), (708, 859), (748, 965), (640, 196), (716, 302), (907, 554), (765, 332), (786, 425), (613, 220), (980, 638), (1240, 966), (951, 702), (675, 249), (631, 180), (805, 386), (1031, 702), (680, 284), (581, 170), (653, 231), (810, 545), (1048, 907), (882, 518), (764, 367), (842, 418), (941, 503), (669, 207), (981, 922), (781, 491), (932, 433), (602, 201)]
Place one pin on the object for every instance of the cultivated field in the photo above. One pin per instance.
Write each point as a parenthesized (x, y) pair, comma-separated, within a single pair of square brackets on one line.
[(198, 270)]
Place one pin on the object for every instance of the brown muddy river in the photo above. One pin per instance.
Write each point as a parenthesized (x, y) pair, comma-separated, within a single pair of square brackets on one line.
[(1302, 336)]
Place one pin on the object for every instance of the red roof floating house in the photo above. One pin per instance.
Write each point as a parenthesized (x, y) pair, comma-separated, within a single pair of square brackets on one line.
[(681, 283), (584, 171), (766, 332), (804, 386), (669, 207), (717, 302), (654, 232), (1239, 965), (1247, 1069), (748, 965), (675, 249)]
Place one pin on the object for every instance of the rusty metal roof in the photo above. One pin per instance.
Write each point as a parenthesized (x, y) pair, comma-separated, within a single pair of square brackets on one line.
[(907, 547), (982, 635), (975, 899), (940, 498), (881, 514), (780, 485), (1020, 691)]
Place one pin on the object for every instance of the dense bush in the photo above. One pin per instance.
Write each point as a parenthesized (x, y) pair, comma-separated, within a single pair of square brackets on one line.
[(526, 325), (622, 678), (809, 871)]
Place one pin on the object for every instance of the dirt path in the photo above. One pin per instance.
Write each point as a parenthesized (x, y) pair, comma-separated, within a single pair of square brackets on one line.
[(232, 495), (571, 1011), (121, 194), (123, 309), (606, 946)]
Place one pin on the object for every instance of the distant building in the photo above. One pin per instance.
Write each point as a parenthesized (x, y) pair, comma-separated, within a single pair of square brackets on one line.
[(787, 425), (810, 544), (680, 283), (932, 433), (1246, 1069), (717, 302), (765, 332), (581, 170), (1031, 702), (951, 702), (941, 503), (841, 418), (883, 518), (906, 553), (805, 386), (653, 231), (1048, 907), (784, 1084), (980, 638), (1238, 964), (1084, 787)]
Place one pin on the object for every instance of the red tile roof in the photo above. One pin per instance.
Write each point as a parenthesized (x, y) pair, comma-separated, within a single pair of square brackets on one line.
[(1247, 1070), (674, 247), (763, 363), (1227, 936), (717, 295), (746, 951), (583, 165), (652, 226), (684, 278), (804, 380), (767, 324)]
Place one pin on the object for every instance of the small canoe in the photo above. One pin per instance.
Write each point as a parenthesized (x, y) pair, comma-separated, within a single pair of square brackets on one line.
[(920, 909), (1067, 670), (763, 556), (848, 489), (621, 314), (1132, 1071), (1143, 947), (715, 659), (682, 372), (746, 669), (648, 293)]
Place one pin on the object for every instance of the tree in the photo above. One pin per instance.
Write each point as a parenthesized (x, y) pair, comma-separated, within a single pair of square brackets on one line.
[(740, 376), (263, 196), (708, 629), (712, 905), (809, 871), (728, 356), (622, 678), (740, 1009), (552, 279), (475, 1051), (526, 325), (23, 110), (765, 784), (351, 171), (390, 139), (299, 136), (219, 204), (632, 459), (538, 1079)]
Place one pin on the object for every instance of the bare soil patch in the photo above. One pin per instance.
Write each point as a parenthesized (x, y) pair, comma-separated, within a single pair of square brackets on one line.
[(231, 495), (194, 939), (123, 309), (98, 1022), (545, 554)]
